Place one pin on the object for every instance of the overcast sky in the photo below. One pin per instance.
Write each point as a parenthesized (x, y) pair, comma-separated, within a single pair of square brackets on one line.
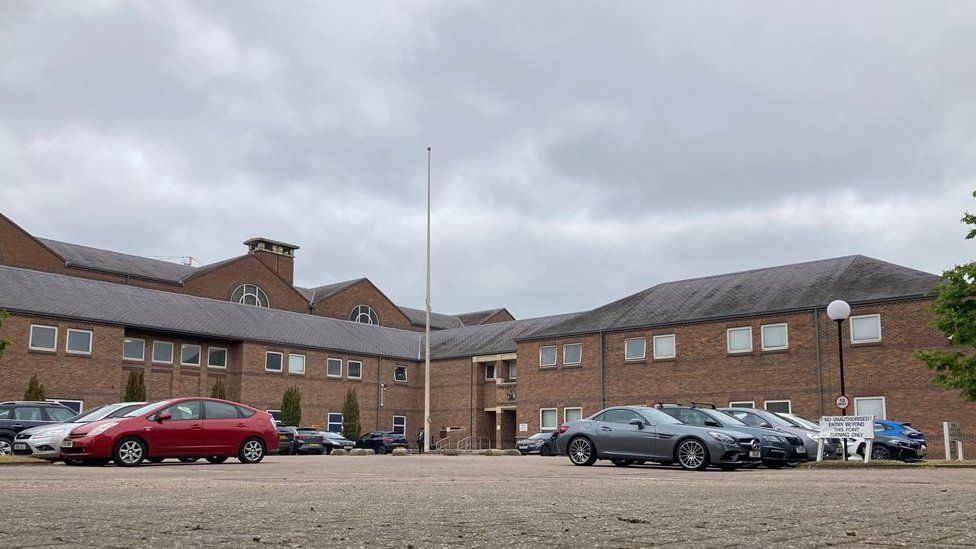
[(581, 151)]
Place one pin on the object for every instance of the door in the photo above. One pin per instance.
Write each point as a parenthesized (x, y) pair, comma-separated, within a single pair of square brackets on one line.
[(182, 434), (222, 428), (623, 438)]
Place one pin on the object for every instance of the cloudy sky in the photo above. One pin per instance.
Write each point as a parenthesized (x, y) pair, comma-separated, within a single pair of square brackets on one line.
[(581, 151)]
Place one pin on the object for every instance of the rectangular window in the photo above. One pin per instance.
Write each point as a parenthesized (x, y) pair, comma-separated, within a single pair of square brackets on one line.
[(354, 369), (134, 349), (742, 404), (276, 415), (870, 406), (334, 367), (400, 425), (664, 346), (572, 414), (400, 373), (43, 338), (78, 342), (296, 364), (217, 357), (573, 353), (779, 406), (77, 406), (547, 357), (162, 352), (865, 329), (774, 337), (190, 355), (489, 371), (739, 339), (512, 370), (272, 361), (635, 348), (335, 422), (548, 419)]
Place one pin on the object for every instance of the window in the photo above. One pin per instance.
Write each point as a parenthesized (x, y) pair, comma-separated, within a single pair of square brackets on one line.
[(190, 355), (28, 413), (188, 409), (296, 364), (573, 353), (77, 406), (272, 361), (217, 357), (219, 410), (779, 406), (774, 337), (162, 352), (865, 328), (364, 314), (742, 404), (548, 417), (43, 338), (249, 294), (78, 342), (400, 425), (276, 415), (400, 373), (635, 348), (739, 339), (664, 346), (870, 406), (334, 367), (60, 414), (619, 415), (335, 422), (547, 356), (354, 369), (490, 371), (572, 414), (134, 349), (512, 370)]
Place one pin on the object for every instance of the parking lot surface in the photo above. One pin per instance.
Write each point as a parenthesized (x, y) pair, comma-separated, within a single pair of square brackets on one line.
[(478, 501)]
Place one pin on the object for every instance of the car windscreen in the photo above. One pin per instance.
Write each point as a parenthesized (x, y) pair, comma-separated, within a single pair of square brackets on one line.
[(729, 421), (657, 417), (778, 421), (803, 422), (146, 408), (90, 415), (540, 435)]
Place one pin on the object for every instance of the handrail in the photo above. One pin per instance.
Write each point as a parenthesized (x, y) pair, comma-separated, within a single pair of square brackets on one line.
[(474, 442)]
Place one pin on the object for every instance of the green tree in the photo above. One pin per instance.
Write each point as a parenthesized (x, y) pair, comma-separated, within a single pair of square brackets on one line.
[(218, 389), (350, 415), (291, 407), (955, 315), (3, 342), (135, 387), (35, 389)]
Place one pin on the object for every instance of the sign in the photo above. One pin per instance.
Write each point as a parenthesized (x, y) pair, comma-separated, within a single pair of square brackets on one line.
[(523, 427), (953, 433), (843, 402), (847, 426)]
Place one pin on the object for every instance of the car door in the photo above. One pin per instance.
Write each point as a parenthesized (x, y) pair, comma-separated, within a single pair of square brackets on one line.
[(25, 417), (223, 430), (181, 434), (622, 438)]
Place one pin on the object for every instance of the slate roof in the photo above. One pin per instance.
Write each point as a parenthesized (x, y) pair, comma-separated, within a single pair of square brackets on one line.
[(115, 262), (489, 339), (855, 279), (319, 293), (438, 321), (478, 317)]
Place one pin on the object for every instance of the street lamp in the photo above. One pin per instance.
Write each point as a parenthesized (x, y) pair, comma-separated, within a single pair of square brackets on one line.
[(838, 311)]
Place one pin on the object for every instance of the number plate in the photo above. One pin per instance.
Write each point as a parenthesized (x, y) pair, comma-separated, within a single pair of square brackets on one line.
[(283, 437), (800, 449), (755, 453), (67, 444), (20, 446), (315, 444)]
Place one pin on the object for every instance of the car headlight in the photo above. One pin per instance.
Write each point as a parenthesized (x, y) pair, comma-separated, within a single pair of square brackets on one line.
[(51, 433), (773, 438), (102, 428), (722, 437), (813, 437)]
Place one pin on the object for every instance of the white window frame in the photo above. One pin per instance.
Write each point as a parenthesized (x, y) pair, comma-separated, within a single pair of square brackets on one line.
[(643, 354), (80, 403), (751, 403), (555, 357), (329, 374), (132, 359), (91, 341), (580, 345), (272, 415), (548, 429), (172, 351), (329, 423), (199, 354), (30, 344), (788, 402), (884, 405), (494, 371), (281, 361), (405, 376), (674, 346), (762, 336), (728, 340), (226, 357), (290, 355), (404, 418), (257, 293), (851, 329), (565, 409), (512, 370), (349, 369)]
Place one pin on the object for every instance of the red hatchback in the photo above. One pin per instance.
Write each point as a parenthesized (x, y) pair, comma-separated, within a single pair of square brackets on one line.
[(177, 428)]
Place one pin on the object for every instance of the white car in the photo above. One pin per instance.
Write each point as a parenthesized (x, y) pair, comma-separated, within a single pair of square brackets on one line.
[(45, 441)]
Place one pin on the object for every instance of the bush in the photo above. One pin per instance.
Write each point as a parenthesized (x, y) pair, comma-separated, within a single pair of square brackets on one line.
[(291, 407), (35, 389), (135, 387), (218, 389), (350, 416)]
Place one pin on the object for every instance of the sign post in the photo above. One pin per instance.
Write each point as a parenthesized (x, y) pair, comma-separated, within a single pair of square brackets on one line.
[(953, 433), (845, 427)]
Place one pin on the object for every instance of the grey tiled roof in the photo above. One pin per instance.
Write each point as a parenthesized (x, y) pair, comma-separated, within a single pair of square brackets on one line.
[(855, 279), (438, 321), (115, 262), (477, 317), (488, 339), (78, 298), (319, 293)]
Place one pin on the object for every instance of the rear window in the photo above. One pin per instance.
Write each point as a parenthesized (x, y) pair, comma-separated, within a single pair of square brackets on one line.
[(245, 412), (219, 410), (28, 413)]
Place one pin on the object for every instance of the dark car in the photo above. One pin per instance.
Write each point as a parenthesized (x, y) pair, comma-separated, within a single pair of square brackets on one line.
[(286, 439), (543, 444), (308, 440), (335, 441), (20, 415), (382, 442), (890, 443)]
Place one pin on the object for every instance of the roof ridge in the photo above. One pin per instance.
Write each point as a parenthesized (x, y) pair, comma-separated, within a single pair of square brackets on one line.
[(746, 271), (127, 254)]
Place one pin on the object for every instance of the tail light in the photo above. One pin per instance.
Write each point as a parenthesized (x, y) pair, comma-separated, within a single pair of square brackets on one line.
[(388, 440), (563, 428)]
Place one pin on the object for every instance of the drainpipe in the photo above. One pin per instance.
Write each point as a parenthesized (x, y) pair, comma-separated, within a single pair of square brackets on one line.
[(471, 398), (603, 379), (816, 359), (379, 387)]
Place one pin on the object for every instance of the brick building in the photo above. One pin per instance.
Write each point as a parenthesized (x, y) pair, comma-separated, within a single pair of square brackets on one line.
[(83, 318)]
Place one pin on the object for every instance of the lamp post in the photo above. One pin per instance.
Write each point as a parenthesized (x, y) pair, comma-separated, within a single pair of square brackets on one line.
[(839, 311)]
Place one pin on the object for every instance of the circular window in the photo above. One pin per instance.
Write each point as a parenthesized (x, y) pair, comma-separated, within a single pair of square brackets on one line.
[(364, 314), (249, 294)]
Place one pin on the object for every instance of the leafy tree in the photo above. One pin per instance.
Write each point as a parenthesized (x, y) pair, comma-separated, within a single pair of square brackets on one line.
[(35, 389), (3, 342), (955, 315), (135, 387), (218, 389), (350, 416), (291, 407)]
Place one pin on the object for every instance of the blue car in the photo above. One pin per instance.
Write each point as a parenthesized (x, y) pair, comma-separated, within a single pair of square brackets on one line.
[(898, 429), (893, 440)]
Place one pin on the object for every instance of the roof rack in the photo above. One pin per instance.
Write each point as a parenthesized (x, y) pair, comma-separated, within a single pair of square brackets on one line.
[(702, 405), (660, 404)]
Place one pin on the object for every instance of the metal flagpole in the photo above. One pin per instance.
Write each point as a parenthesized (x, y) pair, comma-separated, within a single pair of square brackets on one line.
[(427, 324)]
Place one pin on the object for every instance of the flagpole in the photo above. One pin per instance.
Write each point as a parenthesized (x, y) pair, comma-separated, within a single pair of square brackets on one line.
[(427, 324)]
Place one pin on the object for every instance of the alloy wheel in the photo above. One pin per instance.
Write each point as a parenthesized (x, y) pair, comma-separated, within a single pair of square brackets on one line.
[(580, 451), (880, 452), (253, 450), (691, 454), (5, 448), (130, 451)]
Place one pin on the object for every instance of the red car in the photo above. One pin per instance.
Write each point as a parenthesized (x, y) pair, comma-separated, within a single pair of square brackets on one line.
[(176, 428)]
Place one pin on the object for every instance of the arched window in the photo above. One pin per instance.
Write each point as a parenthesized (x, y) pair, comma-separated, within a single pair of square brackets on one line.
[(249, 294), (364, 314)]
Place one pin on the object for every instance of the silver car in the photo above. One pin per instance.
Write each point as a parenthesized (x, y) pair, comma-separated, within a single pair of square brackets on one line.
[(637, 434), (771, 420), (45, 441)]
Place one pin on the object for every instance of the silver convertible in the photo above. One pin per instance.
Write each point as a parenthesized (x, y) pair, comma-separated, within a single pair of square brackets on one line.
[(638, 434)]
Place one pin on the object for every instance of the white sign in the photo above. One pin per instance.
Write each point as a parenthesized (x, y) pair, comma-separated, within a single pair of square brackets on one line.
[(843, 402), (523, 427), (847, 427), (953, 433)]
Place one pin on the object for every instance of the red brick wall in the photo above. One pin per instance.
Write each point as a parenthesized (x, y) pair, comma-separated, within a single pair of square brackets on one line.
[(221, 283), (281, 265), (19, 249), (340, 304)]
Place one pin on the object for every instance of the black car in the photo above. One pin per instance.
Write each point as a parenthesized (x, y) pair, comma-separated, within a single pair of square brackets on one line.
[(308, 440), (335, 441), (382, 442), (286, 439), (20, 415), (543, 444)]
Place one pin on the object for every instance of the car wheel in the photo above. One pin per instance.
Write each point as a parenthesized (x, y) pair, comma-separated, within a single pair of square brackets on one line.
[(217, 459), (381, 450), (582, 452), (188, 460), (129, 452), (6, 446), (545, 451), (252, 451), (880, 452), (328, 451), (155, 459), (692, 455), (621, 462)]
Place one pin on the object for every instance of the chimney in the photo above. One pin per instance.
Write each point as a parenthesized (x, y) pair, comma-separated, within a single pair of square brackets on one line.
[(278, 256)]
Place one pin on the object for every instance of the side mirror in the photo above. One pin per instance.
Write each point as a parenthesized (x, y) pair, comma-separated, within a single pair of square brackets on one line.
[(638, 423), (712, 423), (766, 425), (163, 417)]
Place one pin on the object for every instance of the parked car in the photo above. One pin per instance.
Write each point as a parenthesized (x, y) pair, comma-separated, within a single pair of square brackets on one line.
[(778, 448), (890, 442), (382, 442), (898, 429), (16, 416), (185, 428), (770, 420), (800, 421), (635, 434), (45, 441), (543, 444), (286, 439), (335, 441), (308, 441)]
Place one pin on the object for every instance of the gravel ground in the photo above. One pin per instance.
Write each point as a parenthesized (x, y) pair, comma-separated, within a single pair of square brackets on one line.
[(478, 501)]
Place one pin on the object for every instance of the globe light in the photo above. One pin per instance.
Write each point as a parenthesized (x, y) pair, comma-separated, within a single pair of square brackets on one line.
[(838, 310)]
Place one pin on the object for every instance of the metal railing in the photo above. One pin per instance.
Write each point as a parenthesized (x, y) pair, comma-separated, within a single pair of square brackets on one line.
[(474, 443)]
